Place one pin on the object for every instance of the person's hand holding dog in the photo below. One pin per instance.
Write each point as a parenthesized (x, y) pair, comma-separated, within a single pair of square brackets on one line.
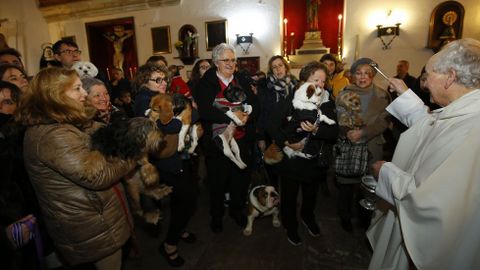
[(298, 146), (308, 127)]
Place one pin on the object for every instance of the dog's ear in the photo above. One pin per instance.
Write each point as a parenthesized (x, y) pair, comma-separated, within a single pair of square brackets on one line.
[(310, 90)]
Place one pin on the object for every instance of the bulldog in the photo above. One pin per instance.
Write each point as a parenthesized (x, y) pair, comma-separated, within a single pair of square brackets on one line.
[(263, 201)]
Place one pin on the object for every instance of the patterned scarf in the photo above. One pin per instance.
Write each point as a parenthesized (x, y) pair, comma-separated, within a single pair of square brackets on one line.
[(282, 87)]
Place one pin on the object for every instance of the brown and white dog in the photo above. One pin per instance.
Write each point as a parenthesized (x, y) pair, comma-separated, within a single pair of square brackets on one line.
[(164, 107), (263, 201)]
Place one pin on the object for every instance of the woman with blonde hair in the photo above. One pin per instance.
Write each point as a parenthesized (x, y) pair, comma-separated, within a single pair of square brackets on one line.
[(77, 188)]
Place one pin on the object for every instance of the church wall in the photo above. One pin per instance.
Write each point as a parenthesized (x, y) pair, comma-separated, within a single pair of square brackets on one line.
[(412, 42)]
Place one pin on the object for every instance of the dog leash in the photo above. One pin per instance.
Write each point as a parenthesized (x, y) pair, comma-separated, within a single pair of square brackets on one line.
[(135, 246)]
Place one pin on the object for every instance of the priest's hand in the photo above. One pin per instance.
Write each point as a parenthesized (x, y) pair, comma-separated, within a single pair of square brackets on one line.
[(397, 85), (376, 168)]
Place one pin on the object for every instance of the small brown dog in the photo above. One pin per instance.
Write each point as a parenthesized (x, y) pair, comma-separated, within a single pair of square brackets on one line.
[(273, 154), (350, 118)]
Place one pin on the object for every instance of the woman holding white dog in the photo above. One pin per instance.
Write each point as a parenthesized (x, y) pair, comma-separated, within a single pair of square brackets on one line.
[(223, 174), (302, 173), (77, 188)]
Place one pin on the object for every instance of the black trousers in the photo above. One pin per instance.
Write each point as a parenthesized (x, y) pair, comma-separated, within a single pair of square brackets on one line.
[(224, 176), (289, 188), (348, 197), (183, 201)]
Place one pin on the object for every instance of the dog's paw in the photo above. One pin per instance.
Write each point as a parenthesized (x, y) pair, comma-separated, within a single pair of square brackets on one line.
[(181, 146), (149, 174), (160, 192), (152, 217), (247, 232), (276, 222)]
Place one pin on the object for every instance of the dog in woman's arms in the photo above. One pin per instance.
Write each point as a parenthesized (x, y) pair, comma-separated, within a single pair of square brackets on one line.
[(133, 139), (223, 134), (350, 109), (191, 129)]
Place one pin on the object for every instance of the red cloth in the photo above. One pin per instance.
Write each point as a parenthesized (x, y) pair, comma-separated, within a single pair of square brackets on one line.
[(179, 86)]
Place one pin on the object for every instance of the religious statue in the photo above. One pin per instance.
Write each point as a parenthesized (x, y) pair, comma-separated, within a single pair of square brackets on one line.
[(312, 14), (118, 36), (448, 34)]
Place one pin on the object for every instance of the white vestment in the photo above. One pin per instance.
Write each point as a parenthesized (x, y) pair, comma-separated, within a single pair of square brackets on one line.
[(433, 182)]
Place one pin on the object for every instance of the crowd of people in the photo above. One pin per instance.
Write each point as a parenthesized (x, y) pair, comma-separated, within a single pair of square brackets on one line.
[(65, 204)]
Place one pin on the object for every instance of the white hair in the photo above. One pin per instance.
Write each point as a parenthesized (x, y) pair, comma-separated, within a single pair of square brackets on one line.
[(220, 49), (462, 56)]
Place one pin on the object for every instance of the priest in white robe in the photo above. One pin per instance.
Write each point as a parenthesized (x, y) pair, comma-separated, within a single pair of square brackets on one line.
[(433, 181)]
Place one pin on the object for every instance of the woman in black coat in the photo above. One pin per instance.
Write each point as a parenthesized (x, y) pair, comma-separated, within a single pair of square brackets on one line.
[(302, 173), (223, 174)]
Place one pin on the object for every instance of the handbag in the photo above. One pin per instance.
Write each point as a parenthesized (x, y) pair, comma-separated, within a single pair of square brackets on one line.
[(350, 158)]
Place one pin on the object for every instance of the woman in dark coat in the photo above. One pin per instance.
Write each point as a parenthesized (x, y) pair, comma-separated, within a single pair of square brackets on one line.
[(302, 173), (223, 174)]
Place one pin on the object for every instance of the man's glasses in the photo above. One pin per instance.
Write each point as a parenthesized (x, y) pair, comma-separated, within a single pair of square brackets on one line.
[(226, 61), (71, 52), (158, 80)]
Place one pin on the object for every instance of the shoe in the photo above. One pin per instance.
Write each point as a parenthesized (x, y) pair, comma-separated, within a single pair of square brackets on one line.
[(241, 220), (216, 224), (312, 228), (190, 238), (294, 238), (177, 262), (346, 224)]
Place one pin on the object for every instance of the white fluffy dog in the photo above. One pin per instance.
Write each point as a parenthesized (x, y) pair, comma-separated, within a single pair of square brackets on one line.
[(85, 69)]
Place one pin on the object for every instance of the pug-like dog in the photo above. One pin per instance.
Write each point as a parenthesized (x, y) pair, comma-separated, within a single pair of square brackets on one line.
[(263, 201)]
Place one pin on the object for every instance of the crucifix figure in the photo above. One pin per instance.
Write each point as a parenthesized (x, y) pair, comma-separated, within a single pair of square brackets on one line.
[(312, 14), (118, 36)]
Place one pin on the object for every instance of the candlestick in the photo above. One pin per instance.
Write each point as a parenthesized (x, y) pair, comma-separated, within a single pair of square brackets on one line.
[(340, 23), (131, 72), (285, 38), (108, 74)]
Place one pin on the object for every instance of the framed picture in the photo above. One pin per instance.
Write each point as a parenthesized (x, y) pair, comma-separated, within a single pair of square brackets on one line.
[(161, 40), (446, 24), (111, 44), (215, 33), (250, 64)]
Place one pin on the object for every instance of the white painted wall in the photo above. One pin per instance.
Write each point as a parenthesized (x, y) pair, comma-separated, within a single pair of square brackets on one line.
[(410, 45), (244, 16)]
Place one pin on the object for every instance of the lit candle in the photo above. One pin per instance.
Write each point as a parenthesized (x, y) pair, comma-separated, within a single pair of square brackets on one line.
[(285, 21), (292, 38), (340, 24)]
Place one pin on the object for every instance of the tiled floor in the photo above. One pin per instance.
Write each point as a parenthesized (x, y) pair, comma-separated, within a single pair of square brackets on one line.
[(266, 249)]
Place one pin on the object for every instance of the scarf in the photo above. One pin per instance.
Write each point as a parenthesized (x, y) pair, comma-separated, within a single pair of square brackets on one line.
[(281, 87)]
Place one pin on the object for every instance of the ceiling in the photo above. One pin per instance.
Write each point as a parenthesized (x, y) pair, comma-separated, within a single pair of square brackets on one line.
[(58, 10)]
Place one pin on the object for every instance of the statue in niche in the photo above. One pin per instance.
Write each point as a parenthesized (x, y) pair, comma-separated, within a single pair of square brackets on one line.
[(117, 38), (312, 14), (448, 34)]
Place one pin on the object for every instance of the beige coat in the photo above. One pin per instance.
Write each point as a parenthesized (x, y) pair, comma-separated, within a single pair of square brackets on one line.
[(434, 184), (74, 186)]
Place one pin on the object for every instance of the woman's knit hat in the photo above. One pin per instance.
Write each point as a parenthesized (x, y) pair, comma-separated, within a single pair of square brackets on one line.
[(359, 62)]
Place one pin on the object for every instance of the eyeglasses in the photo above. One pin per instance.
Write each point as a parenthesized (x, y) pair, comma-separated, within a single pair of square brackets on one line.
[(226, 61), (204, 66), (72, 52), (158, 80)]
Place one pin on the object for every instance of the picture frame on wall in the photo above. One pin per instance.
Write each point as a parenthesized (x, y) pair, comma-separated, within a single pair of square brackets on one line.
[(161, 40), (215, 33)]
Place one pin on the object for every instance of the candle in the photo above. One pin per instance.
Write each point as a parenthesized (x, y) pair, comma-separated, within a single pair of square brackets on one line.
[(285, 21), (340, 24), (131, 74), (108, 74)]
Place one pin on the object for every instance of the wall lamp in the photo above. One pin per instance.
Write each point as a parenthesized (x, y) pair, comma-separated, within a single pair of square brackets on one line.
[(245, 42), (383, 31)]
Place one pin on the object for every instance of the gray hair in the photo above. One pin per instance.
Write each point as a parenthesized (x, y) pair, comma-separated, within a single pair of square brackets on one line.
[(89, 82), (220, 49), (463, 56)]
